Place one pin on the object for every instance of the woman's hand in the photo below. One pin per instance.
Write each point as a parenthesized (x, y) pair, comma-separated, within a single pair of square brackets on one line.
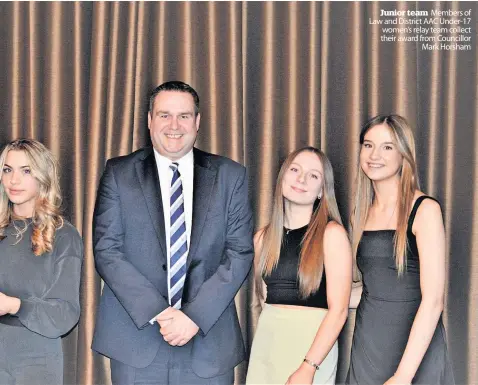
[(303, 375), (8, 305)]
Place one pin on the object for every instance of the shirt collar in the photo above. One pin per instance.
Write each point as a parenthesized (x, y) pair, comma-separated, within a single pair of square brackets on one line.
[(184, 163)]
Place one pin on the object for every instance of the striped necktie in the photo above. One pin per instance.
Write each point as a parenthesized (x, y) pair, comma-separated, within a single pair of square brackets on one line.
[(178, 240)]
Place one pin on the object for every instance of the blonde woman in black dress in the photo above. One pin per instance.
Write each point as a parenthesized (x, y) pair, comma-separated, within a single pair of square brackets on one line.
[(398, 239), (304, 262)]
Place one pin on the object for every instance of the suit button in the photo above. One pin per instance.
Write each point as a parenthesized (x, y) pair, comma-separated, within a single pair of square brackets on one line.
[(164, 267)]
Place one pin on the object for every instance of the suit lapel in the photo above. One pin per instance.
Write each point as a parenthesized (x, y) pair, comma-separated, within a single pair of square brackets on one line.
[(204, 176), (147, 172)]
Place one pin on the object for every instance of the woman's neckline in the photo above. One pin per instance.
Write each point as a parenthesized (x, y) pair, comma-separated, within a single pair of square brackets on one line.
[(288, 231), (373, 231), (28, 221)]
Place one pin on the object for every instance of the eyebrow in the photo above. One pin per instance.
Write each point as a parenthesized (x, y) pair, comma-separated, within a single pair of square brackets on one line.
[(180, 113), (7, 165), (314, 169), (368, 140)]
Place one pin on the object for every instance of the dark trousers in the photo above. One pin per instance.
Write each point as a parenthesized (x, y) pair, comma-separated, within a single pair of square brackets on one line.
[(29, 358), (173, 368)]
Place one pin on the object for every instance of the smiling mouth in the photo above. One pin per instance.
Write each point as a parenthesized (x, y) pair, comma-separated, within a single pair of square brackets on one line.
[(298, 189), (15, 192), (174, 136), (375, 165)]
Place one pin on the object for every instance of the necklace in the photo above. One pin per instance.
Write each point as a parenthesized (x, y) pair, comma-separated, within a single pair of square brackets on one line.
[(287, 231), (391, 216), (377, 214)]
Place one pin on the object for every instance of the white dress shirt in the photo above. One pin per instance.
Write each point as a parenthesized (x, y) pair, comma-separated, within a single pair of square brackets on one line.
[(186, 171)]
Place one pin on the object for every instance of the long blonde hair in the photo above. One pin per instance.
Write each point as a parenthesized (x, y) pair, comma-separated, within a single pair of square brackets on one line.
[(46, 216), (311, 263), (365, 195)]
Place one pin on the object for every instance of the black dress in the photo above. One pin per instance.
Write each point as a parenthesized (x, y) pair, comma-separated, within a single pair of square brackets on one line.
[(386, 312)]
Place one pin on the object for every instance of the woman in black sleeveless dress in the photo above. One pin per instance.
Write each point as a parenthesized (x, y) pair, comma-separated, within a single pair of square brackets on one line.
[(303, 269), (397, 234)]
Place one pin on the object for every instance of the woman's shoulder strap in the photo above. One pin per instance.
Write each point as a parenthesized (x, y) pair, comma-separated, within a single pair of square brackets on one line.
[(415, 207)]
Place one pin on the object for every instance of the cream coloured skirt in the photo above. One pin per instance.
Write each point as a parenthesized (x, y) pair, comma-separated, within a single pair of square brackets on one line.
[(283, 338)]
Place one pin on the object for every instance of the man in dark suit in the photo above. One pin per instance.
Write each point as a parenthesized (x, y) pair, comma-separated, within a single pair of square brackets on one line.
[(173, 244)]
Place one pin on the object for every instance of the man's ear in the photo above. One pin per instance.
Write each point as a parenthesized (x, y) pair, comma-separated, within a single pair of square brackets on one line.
[(198, 119), (149, 120)]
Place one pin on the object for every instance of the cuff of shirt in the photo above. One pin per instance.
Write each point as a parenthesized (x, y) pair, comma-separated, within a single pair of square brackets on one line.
[(153, 320)]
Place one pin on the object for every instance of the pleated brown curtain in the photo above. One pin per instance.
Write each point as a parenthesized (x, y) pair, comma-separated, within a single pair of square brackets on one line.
[(272, 77)]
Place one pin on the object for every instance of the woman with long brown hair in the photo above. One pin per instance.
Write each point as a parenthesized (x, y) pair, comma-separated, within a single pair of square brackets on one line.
[(398, 241), (304, 262), (40, 263)]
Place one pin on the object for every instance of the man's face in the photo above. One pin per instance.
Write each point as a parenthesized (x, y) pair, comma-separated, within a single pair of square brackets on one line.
[(173, 124)]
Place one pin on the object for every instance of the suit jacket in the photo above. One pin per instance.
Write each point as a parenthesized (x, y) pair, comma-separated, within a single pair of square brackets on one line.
[(130, 256)]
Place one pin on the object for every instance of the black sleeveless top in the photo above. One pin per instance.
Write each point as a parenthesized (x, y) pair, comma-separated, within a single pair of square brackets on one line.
[(283, 283), (376, 261)]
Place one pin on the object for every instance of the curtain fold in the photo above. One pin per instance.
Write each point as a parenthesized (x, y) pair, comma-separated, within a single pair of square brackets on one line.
[(272, 77)]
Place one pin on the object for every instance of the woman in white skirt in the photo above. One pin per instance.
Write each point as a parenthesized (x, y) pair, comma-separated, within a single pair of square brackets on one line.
[(303, 269)]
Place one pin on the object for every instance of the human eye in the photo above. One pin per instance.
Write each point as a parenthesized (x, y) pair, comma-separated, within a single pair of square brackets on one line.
[(314, 176), (367, 145), (6, 170), (27, 171), (388, 147), (163, 115), (294, 169), (184, 116)]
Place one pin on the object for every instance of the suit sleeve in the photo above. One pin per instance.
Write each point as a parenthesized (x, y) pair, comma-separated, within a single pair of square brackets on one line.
[(219, 290), (139, 297), (58, 309)]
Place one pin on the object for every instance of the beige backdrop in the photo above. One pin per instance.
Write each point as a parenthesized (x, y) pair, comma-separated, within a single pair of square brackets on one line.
[(272, 77)]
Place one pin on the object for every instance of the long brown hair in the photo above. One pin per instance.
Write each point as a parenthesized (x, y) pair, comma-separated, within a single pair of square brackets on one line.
[(46, 216), (365, 195), (311, 264)]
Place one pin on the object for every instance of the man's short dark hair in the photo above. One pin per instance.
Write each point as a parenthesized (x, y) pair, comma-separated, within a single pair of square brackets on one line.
[(175, 85)]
